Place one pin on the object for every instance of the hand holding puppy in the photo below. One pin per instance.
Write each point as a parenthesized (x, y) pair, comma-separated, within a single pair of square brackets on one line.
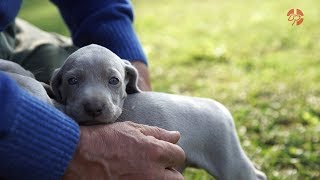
[(126, 150)]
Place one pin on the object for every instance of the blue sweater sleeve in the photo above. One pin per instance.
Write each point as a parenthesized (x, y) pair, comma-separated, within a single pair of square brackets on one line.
[(8, 11), (36, 140), (104, 22)]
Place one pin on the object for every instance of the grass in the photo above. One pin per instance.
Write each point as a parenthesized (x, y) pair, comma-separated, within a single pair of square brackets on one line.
[(244, 54)]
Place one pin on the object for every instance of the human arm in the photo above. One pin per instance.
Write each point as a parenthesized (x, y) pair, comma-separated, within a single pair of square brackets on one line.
[(8, 11), (109, 24), (36, 140)]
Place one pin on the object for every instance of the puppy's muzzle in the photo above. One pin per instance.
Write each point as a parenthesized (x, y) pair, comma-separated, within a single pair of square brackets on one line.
[(94, 109)]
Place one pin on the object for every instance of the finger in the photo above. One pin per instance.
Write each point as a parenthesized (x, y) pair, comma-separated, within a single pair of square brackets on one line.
[(171, 155), (161, 134), (155, 174), (158, 133), (172, 174)]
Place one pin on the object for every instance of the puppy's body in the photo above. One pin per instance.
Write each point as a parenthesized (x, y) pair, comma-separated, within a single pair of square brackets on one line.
[(208, 135), (207, 130)]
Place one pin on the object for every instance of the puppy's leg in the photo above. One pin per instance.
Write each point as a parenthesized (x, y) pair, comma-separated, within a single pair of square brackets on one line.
[(219, 150), (12, 67), (208, 134), (31, 85)]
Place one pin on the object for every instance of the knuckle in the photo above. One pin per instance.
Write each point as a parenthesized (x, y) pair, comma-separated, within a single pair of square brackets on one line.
[(157, 151), (133, 124), (161, 154)]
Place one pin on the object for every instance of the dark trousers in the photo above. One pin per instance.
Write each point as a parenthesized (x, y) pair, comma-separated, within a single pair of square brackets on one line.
[(37, 51)]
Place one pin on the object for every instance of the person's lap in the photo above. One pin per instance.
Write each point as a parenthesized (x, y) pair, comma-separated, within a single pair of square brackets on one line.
[(37, 51)]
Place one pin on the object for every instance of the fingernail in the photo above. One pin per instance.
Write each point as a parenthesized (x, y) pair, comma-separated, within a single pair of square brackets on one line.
[(174, 132)]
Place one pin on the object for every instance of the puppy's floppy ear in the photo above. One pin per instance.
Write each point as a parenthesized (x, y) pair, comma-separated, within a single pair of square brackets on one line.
[(56, 82), (131, 78)]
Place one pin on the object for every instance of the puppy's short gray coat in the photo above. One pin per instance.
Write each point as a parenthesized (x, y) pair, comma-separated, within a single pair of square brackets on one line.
[(93, 85)]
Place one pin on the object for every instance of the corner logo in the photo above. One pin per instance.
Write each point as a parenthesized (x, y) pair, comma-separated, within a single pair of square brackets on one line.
[(295, 16)]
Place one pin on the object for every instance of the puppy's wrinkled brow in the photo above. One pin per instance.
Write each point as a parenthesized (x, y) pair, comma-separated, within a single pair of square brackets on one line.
[(75, 71)]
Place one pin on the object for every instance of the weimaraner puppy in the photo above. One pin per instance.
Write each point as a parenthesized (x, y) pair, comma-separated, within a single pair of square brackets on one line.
[(96, 86)]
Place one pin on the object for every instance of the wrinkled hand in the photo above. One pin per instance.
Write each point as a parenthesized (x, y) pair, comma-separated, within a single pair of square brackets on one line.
[(126, 150)]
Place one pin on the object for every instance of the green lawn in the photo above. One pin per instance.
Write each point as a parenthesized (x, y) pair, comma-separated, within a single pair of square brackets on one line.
[(244, 54)]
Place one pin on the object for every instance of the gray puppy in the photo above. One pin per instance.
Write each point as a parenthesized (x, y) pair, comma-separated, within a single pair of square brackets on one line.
[(93, 85)]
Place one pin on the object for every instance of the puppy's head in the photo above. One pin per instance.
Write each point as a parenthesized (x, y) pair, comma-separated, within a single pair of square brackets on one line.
[(93, 83)]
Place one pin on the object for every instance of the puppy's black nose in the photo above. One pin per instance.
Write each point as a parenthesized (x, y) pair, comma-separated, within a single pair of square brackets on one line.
[(93, 109)]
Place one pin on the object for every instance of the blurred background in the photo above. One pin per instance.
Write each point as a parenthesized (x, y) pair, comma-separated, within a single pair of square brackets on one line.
[(245, 54)]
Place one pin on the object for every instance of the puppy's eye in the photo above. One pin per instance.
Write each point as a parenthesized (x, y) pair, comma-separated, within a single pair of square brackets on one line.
[(73, 81), (114, 81)]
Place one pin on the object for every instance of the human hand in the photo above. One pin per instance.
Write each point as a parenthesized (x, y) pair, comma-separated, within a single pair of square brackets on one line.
[(126, 150), (144, 79)]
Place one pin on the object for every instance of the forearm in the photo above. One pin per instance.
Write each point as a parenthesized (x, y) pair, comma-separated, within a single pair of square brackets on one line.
[(8, 11), (109, 24), (104, 22), (144, 78), (36, 140)]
